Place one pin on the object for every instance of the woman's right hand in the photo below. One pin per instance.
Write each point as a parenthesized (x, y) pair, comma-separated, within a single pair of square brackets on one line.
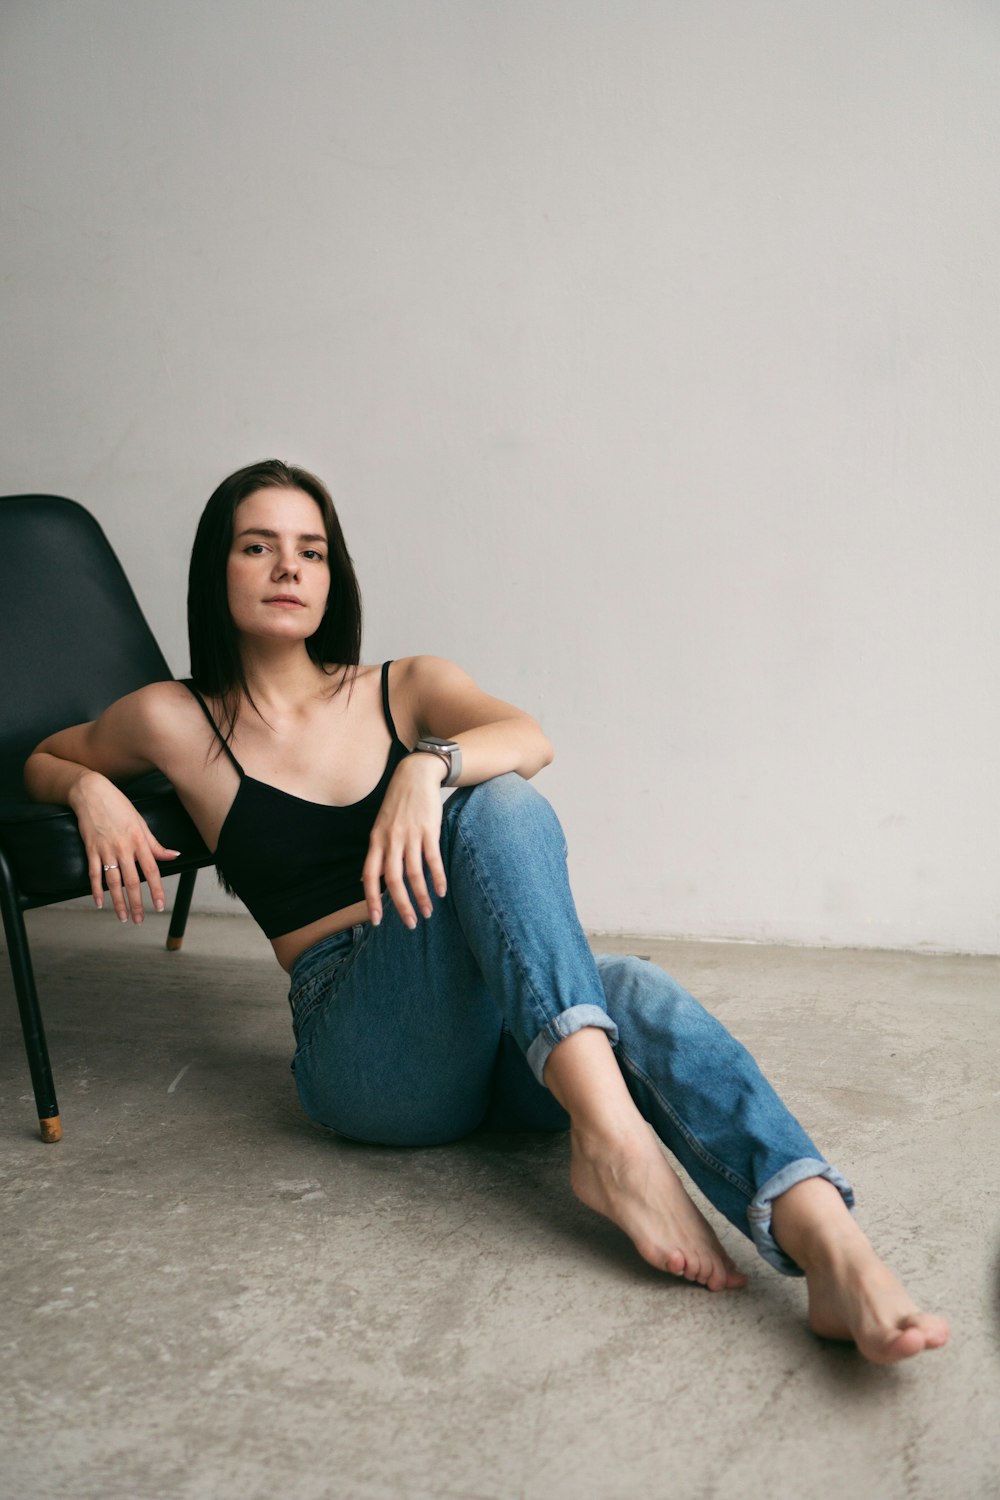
[(119, 844)]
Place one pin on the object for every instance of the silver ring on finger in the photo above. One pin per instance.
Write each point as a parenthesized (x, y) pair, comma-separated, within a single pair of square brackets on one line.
[(112, 866)]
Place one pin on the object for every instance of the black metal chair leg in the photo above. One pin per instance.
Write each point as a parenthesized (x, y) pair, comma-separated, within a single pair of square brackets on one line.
[(182, 905), (27, 1003)]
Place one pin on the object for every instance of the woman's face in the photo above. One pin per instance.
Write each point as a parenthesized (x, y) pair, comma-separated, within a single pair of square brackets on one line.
[(278, 574)]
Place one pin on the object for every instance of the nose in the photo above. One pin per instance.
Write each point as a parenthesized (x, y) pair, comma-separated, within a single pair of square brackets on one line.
[(286, 564)]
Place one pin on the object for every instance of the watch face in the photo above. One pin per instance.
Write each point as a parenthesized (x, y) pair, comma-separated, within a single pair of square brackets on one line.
[(449, 752)]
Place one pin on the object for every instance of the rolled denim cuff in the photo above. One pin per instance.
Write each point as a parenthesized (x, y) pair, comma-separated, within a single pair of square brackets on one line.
[(759, 1212), (564, 1025)]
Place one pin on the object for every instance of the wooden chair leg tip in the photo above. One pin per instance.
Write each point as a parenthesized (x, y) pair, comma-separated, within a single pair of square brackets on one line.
[(51, 1130), (174, 944)]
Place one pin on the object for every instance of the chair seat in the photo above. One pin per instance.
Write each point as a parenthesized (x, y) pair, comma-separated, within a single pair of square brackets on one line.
[(47, 855)]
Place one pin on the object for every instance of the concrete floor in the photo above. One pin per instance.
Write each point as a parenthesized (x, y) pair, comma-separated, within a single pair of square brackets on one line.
[(208, 1298)]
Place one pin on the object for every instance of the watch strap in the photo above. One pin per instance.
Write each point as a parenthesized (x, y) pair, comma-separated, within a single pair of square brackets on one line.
[(445, 750)]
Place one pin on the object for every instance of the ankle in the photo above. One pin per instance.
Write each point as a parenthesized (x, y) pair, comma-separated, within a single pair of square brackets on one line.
[(830, 1248), (583, 1075), (609, 1135), (813, 1225)]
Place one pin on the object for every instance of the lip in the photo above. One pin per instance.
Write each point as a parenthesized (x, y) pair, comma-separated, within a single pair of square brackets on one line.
[(286, 600)]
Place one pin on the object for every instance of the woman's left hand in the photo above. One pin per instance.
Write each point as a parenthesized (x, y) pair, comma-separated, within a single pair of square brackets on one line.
[(407, 833)]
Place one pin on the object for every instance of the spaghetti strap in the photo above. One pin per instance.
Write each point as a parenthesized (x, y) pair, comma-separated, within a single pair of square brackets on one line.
[(385, 702), (205, 710)]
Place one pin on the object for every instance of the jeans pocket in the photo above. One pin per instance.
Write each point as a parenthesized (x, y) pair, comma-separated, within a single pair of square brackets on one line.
[(311, 998)]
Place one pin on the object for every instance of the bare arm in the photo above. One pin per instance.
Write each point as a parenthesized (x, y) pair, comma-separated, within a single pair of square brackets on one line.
[(494, 737), (79, 767)]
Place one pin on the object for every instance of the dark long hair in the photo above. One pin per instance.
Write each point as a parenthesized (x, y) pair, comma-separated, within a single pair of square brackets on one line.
[(216, 664)]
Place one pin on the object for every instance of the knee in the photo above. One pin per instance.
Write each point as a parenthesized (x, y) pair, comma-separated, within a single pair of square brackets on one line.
[(643, 998), (500, 793), (504, 806)]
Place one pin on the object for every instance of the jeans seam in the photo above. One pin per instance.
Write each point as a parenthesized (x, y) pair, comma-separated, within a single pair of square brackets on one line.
[(315, 980), (340, 967), (301, 1016), (705, 1156), (320, 974), (498, 919)]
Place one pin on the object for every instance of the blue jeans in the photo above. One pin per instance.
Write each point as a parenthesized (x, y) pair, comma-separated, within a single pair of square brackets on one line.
[(414, 1038)]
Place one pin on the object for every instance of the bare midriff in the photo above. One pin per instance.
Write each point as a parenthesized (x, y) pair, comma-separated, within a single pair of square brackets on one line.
[(288, 947)]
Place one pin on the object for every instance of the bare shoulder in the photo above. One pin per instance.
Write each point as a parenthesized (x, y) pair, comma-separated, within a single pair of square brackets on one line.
[(422, 672), (158, 696), (160, 700), (162, 714), (412, 680), (443, 699), (430, 695)]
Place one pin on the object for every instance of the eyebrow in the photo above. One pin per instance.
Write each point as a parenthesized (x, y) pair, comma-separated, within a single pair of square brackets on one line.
[(304, 536)]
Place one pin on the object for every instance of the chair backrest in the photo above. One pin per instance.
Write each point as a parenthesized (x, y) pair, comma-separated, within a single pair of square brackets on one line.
[(72, 635)]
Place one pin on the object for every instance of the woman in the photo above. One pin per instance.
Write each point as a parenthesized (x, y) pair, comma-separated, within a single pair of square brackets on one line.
[(471, 992)]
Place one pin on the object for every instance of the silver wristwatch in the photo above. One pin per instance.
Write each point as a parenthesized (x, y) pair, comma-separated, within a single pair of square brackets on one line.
[(448, 751)]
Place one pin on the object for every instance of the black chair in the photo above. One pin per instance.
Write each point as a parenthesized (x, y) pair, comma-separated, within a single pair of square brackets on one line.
[(72, 640)]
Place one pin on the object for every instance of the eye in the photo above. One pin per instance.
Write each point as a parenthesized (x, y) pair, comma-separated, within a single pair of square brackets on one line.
[(311, 552), (254, 549)]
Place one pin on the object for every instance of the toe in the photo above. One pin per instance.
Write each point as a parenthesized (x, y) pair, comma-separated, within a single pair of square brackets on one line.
[(734, 1276), (900, 1346), (936, 1330), (693, 1268), (676, 1263), (719, 1278)]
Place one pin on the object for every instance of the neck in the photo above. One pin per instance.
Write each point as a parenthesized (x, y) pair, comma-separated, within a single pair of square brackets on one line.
[(281, 672)]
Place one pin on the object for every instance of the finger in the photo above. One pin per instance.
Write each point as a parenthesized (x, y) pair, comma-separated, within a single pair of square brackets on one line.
[(116, 890), (400, 898), (161, 852), (434, 863), (150, 869), (397, 888), (417, 883), (133, 889), (371, 880), (96, 874)]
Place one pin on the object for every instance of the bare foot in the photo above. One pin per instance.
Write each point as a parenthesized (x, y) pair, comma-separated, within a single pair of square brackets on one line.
[(854, 1296), (632, 1184)]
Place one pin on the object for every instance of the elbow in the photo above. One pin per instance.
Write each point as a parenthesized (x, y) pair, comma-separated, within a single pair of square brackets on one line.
[(36, 760), (33, 775), (31, 779), (544, 753)]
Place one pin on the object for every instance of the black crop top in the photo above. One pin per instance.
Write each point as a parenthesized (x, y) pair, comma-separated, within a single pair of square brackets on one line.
[(291, 861)]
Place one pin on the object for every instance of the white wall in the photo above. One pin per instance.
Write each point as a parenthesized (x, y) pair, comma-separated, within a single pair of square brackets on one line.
[(651, 351)]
